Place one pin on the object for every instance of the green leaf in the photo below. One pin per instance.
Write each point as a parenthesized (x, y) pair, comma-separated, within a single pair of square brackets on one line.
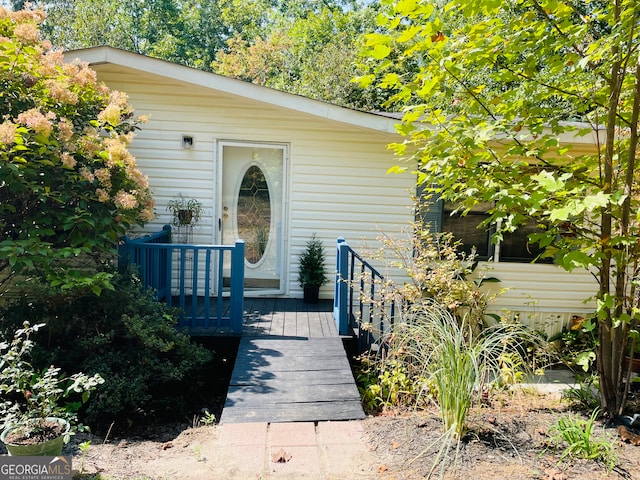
[(575, 259), (599, 200), (585, 359), (397, 169), (562, 214), (409, 33), (547, 181), (365, 80), (380, 51)]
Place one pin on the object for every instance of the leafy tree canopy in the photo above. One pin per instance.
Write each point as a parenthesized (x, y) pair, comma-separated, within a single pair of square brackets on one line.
[(68, 186), (304, 47), (488, 91), (315, 55)]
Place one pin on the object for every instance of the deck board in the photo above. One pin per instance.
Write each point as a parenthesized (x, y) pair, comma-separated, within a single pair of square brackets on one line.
[(291, 379), (296, 412)]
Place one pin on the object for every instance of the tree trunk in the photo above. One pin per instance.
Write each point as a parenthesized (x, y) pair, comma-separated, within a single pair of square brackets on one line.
[(608, 354)]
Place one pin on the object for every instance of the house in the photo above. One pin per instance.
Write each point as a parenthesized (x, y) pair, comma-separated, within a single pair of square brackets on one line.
[(273, 168)]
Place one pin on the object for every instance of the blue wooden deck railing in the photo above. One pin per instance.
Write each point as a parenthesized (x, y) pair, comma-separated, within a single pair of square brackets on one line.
[(359, 308), (200, 270)]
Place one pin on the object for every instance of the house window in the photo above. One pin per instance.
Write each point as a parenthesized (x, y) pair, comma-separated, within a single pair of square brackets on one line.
[(514, 246), (466, 228)]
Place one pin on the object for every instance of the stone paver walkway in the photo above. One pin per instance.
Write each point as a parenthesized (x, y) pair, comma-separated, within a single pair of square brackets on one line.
[(323, 450)]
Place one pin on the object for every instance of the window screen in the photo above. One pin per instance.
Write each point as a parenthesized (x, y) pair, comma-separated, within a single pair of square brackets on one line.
[(465, 228), (515, 246)]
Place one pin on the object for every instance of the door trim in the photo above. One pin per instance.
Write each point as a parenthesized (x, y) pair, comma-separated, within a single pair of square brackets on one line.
[(282, 252)]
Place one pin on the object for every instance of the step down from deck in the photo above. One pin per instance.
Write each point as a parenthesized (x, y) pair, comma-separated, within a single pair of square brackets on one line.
[(291, 379)]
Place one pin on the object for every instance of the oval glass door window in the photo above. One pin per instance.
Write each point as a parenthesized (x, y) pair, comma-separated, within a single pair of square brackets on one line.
[(254, 214)]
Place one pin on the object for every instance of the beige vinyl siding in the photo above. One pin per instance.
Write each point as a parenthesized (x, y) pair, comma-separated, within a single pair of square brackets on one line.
[(543, 297), (337, 180), (337, 184)]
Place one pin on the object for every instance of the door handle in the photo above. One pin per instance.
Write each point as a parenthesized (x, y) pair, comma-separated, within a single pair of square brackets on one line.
[(219, 224)]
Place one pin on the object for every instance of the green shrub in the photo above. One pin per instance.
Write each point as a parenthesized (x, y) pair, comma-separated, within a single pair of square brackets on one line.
[(125, 335), (576, 346), (386, 385), (437, 269)]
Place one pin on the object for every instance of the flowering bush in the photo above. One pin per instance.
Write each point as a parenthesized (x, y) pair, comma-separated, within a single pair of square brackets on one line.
[(437, 270), (69, 188), (28, 397)]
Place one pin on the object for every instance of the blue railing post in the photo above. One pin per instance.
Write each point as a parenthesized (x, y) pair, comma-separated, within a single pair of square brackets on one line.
[(340, 311), (153, 254), (237, 288)]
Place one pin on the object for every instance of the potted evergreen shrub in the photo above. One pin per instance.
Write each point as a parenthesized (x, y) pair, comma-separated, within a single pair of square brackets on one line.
[(312, 273), (36, 418)]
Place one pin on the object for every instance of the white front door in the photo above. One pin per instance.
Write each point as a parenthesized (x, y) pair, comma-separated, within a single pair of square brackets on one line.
[(251, 207)]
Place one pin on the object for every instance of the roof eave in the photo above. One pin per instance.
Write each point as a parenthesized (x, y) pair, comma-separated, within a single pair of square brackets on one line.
[(110, 55)]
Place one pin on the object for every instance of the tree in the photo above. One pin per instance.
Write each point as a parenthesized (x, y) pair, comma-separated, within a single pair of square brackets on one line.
[(312, 53), (79, 24), (486, 108), (303, 47), (68, 186)]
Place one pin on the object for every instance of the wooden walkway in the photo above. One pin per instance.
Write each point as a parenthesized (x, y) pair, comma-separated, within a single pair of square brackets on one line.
[(291, 366)]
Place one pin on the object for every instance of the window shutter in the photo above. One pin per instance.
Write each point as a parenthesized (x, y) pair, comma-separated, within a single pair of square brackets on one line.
[(430, 212)]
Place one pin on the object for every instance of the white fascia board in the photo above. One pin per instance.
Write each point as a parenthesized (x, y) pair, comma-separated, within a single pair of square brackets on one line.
[(105, 55)]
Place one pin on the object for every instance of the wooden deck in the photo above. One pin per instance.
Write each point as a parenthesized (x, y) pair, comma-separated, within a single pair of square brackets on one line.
[(291, 366), (288, 317)]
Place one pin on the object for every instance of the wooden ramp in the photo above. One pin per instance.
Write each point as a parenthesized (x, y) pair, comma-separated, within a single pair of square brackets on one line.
[(291, 379)]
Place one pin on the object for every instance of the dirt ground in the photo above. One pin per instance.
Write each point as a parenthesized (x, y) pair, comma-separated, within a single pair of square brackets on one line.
[(507, 441)]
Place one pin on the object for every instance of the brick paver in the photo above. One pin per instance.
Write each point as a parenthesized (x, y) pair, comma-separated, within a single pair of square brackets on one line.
[(318, 451)]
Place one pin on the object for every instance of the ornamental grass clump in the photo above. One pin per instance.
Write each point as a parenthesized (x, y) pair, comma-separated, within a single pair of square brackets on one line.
[(456, 361), (452, 364)]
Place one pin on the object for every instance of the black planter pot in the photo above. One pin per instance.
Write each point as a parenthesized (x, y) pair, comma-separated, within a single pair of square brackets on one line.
[(311, 294), (185, 216)]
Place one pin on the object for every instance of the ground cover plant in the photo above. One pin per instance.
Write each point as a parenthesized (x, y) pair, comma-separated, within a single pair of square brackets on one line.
[(576, 439)]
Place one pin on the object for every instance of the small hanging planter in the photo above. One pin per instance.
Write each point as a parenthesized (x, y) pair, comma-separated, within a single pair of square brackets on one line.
[(185, 216), (186, 212)]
